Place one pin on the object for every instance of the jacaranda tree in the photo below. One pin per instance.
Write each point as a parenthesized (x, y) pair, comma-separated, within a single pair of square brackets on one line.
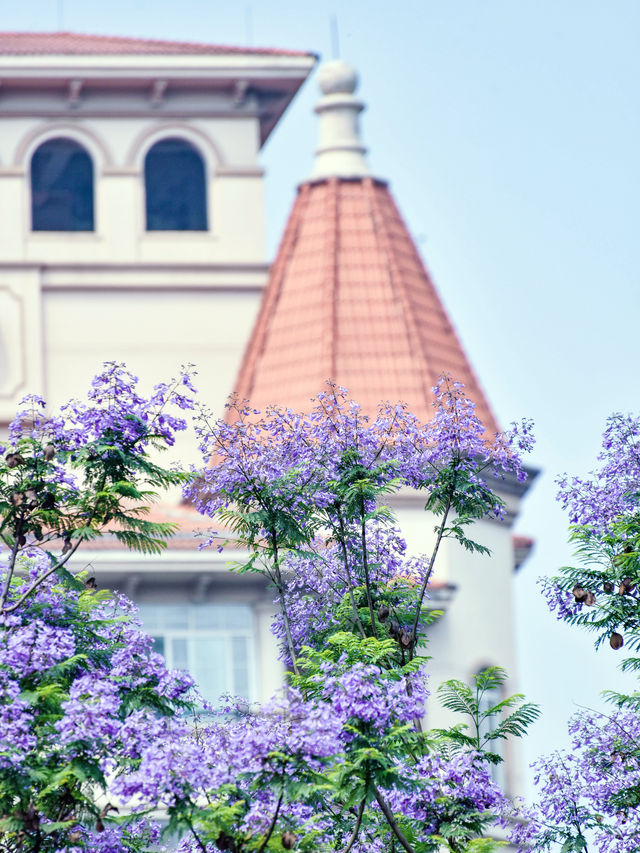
[(338, 761), (80, 690), (590, 795)]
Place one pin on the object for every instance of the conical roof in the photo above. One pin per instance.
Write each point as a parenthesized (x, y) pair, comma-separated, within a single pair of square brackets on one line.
[(348, 296)]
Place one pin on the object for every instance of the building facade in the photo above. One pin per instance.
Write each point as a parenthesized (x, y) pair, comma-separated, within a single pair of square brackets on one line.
[(131, 229)]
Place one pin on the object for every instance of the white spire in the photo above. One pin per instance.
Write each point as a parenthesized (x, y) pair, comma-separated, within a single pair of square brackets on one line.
[(340, 153)]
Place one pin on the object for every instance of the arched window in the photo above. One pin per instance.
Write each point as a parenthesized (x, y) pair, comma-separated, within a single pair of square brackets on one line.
[(174, 178), (61, 187)]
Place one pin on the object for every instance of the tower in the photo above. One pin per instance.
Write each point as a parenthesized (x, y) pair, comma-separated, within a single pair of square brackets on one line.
[(348, 298)]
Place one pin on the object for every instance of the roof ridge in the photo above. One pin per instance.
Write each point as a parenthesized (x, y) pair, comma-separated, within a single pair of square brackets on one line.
[(131, 41)]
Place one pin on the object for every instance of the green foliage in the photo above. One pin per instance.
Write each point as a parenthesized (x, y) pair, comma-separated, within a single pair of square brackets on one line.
[(510, 717)]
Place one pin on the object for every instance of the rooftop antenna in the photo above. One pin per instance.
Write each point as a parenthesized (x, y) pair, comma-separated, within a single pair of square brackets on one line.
[(335, 39), (248, 25)]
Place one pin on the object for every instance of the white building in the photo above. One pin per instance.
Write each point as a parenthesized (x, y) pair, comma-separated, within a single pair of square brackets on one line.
[(131, 228)]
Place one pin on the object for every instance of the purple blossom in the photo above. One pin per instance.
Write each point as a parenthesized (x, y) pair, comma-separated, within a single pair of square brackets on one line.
[(612, 490), (559, 601)]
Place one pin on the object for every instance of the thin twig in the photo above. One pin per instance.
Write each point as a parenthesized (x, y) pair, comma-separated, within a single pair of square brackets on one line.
[(272, 825), (12, 561), (356, 828), (283, 605), (345, 558), (365, 565), (386, 811), (434, 554), (42, 579), (199, 841)]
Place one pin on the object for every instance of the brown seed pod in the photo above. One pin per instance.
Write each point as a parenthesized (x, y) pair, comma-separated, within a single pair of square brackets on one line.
[(616, 641), (67, 546), (90, 583), (590, 600), (626, 585), (74, 836), (406, 639), (608, 587), (13, 460), (225, 842), (383, 613), (288, 840), (49, 452), (579, 593), (22, 540), (17, 498)]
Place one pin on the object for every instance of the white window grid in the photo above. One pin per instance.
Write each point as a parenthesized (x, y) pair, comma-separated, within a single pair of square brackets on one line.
[(215, 643)]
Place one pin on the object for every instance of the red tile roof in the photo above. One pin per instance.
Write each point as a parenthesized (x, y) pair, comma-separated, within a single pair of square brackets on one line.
[(76, 43), (349, 299)]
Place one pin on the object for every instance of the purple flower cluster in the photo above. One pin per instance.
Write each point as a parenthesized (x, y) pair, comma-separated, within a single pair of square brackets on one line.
[(437, 783), (316, 585), (559, 601), (585, 791), (34, 647), (612, 490), (79, 689), (301, 456), (365, 693)]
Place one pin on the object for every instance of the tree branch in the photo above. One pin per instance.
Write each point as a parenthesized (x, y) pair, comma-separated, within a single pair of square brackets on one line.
[(386, 811), (272, 825), (356, 829)]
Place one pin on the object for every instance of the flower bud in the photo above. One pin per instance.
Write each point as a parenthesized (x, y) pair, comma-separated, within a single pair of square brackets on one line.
[(616, 641), (288, 840), (579, 593)]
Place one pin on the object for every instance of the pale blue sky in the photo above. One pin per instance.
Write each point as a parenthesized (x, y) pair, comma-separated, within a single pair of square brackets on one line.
[(509, 130)]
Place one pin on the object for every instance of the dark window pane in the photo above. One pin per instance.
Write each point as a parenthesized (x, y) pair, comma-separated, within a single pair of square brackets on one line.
[(158, 645), (175, 187), (61, 187)]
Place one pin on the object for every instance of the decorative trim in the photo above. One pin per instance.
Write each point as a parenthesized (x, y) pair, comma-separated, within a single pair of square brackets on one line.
[(46, 131), (239, 172), (143, 142), (75, 90)]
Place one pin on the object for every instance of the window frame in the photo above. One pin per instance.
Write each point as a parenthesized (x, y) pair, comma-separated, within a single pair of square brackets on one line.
[(80, 148), (193, 632), (204, 212)]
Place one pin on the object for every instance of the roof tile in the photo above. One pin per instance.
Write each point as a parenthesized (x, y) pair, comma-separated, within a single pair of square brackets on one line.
[(349, 299)]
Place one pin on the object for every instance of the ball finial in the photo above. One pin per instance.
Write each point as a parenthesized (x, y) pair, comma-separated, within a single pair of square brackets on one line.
[(337, 77)]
